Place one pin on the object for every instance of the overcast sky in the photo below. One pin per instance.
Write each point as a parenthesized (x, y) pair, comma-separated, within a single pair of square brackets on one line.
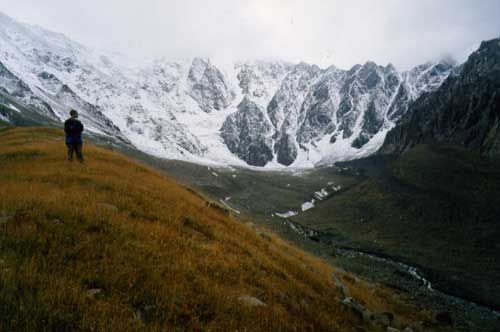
[(339, 32)]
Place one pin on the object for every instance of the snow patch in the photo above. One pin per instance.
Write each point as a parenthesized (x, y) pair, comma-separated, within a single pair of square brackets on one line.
[(14, 108), (307, 205), (3, 118), (286, 214)]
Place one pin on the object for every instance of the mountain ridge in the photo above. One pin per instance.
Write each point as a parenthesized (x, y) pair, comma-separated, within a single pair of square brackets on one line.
[(181, 110), (464, 111)]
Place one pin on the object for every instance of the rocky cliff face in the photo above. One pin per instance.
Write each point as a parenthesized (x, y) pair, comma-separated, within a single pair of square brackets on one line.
[(327, 115), (19, 90), (247, 133), (285, 109), (321, 105), (208, 86), (465, 110), (259, 80)]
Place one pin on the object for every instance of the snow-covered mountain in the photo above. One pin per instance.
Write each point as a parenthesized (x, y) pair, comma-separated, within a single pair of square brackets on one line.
[(258, 113), (321, 116)]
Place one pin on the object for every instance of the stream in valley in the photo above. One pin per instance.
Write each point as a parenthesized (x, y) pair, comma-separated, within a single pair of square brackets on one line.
[(467, 316)]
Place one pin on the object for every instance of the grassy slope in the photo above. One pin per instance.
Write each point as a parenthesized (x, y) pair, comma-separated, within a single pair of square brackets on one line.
[(435, 207), (160, 257)]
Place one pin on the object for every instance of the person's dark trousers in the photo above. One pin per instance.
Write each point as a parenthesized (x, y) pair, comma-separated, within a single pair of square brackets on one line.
[(77, 149)]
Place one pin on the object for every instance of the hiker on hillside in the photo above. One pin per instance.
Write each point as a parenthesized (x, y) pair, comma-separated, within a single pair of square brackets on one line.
[(73, 129)]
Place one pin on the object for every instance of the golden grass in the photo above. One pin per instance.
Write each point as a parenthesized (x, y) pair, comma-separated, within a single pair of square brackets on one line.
[(159, 256)]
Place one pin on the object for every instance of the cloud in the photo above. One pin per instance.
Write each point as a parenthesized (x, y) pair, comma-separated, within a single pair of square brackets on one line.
[(319, 31)]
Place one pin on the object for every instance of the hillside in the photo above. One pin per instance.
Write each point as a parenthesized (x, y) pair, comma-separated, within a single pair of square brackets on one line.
[(112, 245)]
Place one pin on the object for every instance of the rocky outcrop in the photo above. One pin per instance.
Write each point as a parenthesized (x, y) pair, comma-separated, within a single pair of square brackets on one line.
[(285, 110), (259, 80), (465, 110), (321, 105), (91, 114), (251, 301), (367, 95), (164, 130), (247, 133), (208, 86), (422, 79), (22, 93)]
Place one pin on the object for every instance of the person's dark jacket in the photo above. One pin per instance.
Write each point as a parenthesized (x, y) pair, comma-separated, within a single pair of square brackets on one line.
[(73, 129)]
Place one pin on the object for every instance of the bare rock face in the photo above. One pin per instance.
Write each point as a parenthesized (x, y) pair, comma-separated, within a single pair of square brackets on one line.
[(259, 80), (285, 110), (21, 92), (247, 133), (368, 94), (321, 105), (208, 86), (286, 149), (89, 113), (463, 111)]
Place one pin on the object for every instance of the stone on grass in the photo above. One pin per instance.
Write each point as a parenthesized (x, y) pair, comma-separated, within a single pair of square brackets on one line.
[(356, 308), (392, 329), (251, 301), (93, 292), (343, 288)]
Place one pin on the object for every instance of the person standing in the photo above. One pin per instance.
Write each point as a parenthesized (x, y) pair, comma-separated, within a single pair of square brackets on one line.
[(73, 129)]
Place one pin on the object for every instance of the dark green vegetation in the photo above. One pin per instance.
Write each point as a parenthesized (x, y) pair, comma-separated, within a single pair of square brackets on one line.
[(436, 207)]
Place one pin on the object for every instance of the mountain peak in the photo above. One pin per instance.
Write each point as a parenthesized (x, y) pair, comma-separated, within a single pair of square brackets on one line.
[(490, 44), (370, 64), (208, 86), (449, 61)]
